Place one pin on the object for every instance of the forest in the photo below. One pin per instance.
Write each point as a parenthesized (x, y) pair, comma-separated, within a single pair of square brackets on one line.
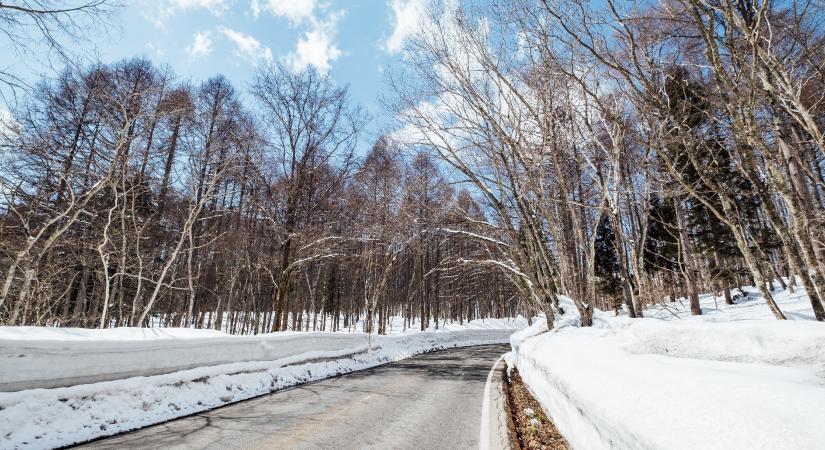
[(619, 153)]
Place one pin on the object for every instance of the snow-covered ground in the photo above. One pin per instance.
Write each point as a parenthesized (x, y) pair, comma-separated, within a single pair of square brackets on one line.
[(314, 322), (227, 369), (733, 378), (42, 357)]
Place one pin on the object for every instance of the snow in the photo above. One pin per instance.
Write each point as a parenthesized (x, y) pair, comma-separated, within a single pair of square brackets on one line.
[(395, 324), (42, 357), (48, 418), (733, 378), (109, 334)]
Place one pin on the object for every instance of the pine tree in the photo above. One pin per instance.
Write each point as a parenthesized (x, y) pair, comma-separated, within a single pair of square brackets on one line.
[(606, 263), (714, 241), (662, 244)]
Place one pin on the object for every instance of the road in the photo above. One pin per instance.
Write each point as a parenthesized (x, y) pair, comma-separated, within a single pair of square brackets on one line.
[(432, 401)]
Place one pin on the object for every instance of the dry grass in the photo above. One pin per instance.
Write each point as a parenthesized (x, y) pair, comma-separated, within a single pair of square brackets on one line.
[(533, 428)]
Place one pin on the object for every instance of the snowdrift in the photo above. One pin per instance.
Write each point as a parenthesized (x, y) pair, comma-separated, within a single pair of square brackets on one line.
[(232, 368), (38, 357), (734, 378), (58, 363)]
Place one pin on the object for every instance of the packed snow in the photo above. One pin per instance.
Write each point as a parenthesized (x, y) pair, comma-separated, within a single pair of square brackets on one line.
[(253, 323), (733, 378), (48, 418), (41, 357)]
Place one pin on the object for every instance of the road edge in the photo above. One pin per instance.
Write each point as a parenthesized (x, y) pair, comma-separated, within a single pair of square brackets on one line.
[(286, 388), (496, 430)]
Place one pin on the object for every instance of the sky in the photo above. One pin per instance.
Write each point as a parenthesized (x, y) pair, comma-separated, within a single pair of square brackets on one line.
[(355, 41)]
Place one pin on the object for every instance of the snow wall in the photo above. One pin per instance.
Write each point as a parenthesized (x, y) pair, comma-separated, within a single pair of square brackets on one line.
[(72, 357)]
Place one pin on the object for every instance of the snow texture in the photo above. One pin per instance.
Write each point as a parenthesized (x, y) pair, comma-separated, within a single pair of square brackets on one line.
[(733, 378), (48, 418), (41, 357)]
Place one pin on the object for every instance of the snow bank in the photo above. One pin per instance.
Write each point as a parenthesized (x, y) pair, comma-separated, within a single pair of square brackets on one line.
[(734, 378), (40, 357), (47, 418), (81, 358)]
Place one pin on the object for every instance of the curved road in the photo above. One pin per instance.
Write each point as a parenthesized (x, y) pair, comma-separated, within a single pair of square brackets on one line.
[(432, 401)]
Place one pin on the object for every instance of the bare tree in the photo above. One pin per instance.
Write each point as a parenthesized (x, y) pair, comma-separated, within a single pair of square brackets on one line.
[(30, 26), (311, 126)]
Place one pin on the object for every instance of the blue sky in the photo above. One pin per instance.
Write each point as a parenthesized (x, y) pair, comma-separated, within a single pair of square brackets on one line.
[(354, 41)]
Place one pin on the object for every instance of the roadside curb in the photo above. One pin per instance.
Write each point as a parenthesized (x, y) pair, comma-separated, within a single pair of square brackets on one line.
[(497, 431)]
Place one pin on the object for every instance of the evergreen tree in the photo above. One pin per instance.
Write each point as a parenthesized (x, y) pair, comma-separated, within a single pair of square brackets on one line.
[(713, 240), (661, 253), (606, 261)]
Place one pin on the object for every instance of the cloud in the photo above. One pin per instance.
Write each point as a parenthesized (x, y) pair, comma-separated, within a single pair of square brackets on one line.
[(316, 47), (409, 15), (201, 46), (8, 128), (158, 51), (7, 121), (247, 47), (159, 11), (297, 11)]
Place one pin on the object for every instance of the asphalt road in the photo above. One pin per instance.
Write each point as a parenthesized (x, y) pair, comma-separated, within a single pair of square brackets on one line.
[(433, 401)]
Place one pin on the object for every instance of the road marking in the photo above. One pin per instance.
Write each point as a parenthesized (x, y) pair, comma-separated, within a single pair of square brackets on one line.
[(484, 437)]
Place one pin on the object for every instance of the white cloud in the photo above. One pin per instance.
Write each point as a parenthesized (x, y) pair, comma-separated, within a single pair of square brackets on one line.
[(158, 51), (409, 15), (160, 11), (247, 47), (297, 11), (256, 8), (216, 7), (7, 122), (8, 128), (201, 46), (316, 47)]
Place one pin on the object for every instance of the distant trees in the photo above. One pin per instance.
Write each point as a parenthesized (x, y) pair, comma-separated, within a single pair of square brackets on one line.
[(133, 199), (607, 268), (312, 133)]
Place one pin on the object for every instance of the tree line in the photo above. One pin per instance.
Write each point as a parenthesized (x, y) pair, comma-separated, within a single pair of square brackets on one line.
[(133, 198)]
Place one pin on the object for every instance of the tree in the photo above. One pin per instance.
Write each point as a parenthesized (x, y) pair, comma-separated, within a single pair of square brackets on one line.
[(607, 261), (53, 24), (311, 125)]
